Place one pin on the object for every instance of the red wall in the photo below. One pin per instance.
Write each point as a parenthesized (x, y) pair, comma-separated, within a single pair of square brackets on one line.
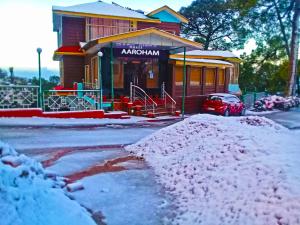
[(162, 26), (73, 67), (73, 31)]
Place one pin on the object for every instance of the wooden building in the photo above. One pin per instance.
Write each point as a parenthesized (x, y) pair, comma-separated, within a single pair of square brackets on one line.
[(124, 52)]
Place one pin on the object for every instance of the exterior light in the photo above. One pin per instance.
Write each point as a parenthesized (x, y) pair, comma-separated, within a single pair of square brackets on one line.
[(100, 54), (39, 50)]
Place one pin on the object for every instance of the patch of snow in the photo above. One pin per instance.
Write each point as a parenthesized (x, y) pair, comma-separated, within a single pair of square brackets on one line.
[(253, 113), (40, 121), (26, 140), (27, 197), (126, 197), (236, 170), (79, 161)]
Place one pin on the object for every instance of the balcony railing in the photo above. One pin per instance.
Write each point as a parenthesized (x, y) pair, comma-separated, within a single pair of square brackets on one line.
[(96, 31)]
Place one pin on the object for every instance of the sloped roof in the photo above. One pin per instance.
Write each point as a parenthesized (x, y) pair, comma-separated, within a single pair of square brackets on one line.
[(103, 9), (224, 54), (150, 36), (212, 62)]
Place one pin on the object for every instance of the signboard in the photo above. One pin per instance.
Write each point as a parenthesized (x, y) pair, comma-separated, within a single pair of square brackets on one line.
[(140, 51)]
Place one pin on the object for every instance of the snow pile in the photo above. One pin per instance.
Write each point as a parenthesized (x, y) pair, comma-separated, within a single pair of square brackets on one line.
[(28, 197), (224, 170)]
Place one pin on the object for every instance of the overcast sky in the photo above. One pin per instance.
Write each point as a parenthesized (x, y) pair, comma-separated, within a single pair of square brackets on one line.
[(27, 24)]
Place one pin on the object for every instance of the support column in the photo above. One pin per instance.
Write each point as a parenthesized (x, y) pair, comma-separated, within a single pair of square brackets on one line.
[(183, 83), (112, 75)]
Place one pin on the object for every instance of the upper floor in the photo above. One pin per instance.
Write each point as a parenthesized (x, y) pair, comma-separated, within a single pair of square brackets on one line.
[(86, 22)]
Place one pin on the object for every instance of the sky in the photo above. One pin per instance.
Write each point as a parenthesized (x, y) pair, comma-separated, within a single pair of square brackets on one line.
[(27, 25)]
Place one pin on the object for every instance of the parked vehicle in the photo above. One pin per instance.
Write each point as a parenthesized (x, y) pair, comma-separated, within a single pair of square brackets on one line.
[(223, 104)]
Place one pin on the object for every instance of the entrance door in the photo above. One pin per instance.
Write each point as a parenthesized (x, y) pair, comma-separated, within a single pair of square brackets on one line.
[(134, 72)]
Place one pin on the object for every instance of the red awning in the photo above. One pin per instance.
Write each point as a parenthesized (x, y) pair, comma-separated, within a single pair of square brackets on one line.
[(69, 49)]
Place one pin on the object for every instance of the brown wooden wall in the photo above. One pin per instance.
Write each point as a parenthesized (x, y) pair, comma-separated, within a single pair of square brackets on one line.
[(73, 31), (162, 26), (196, 94), (73, 67)]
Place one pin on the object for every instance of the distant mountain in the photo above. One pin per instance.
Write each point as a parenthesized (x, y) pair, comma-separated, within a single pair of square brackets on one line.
[(29, 73)]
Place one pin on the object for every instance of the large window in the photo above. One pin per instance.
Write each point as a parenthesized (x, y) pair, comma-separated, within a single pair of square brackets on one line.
[(210, 77), (87, 76), (152, 73), (94, 69), (221, 77), (178, 75), (195, 76), (118, 74), (101, 27)]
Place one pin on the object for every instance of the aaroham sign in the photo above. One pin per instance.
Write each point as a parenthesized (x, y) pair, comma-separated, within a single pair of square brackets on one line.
[(141, 53)]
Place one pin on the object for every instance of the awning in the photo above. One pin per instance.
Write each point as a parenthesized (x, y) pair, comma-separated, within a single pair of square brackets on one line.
[(202, 62), (68, 50), (149, 36)]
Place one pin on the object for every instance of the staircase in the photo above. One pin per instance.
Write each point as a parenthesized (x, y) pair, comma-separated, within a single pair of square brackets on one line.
[(144, 105)]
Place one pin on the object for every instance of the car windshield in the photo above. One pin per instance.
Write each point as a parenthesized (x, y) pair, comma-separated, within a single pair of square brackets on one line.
[(215, 98)]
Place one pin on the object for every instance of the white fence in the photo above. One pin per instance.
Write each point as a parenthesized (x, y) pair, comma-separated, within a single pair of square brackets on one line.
[(18, 96)]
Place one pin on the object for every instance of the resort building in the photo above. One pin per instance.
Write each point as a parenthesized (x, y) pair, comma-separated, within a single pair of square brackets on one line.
[(136, 61)]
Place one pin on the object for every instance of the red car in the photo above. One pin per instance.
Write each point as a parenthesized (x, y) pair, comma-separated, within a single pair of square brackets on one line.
[(224, 104)]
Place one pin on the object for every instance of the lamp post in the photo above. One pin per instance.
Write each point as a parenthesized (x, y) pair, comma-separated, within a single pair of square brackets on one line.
[(100, 105), (39, 51)]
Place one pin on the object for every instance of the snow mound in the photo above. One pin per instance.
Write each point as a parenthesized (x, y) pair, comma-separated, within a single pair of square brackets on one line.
[(28, 197), (223, 170)]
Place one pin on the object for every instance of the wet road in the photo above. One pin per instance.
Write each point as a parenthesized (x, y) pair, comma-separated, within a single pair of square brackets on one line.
[(290, 119)]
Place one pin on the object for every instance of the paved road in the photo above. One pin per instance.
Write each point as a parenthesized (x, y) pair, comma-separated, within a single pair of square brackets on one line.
[(290, 119)]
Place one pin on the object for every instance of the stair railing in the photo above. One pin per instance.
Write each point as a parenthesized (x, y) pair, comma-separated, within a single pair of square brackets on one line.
[(167, 98), (137, 93)]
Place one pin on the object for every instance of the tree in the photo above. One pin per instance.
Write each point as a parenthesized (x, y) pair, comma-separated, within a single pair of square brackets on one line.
[(3, 74), (11, 71), (216, 23), (278, 19), (294, 49)]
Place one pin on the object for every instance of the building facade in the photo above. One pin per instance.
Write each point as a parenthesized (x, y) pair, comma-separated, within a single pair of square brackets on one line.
[(124, 53)]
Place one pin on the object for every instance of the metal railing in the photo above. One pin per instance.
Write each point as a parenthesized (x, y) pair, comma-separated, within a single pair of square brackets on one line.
[(71, 100), (167, 98), (18, 96), (138, 94), (250, 98)]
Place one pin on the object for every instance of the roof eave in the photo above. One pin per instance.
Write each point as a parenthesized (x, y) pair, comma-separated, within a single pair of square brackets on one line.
[(82, 14)]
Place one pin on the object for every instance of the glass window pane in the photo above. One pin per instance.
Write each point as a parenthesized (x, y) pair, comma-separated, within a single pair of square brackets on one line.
[(221, 77), (210, 77), (118, 74), (195, 77), (178, 75), (152, 73)]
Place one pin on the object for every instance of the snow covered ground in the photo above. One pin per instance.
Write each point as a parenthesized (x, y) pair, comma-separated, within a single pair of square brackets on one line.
[(28, 197), (27, 139), (52, 122), (237, 170)]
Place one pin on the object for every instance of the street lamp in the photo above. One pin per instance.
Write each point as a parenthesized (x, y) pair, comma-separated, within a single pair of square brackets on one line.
[(100, 54), (39, 51)]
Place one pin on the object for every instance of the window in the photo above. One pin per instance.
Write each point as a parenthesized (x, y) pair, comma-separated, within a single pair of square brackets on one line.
[(221, 77), (195, 77), (210, 77), (118, 74), (102, 27), (178, 75), (87, 76), (152, 73), (94, 67)]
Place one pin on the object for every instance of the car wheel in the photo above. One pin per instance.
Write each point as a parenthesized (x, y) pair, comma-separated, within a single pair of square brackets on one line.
[(226, 113), (243, 112)]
